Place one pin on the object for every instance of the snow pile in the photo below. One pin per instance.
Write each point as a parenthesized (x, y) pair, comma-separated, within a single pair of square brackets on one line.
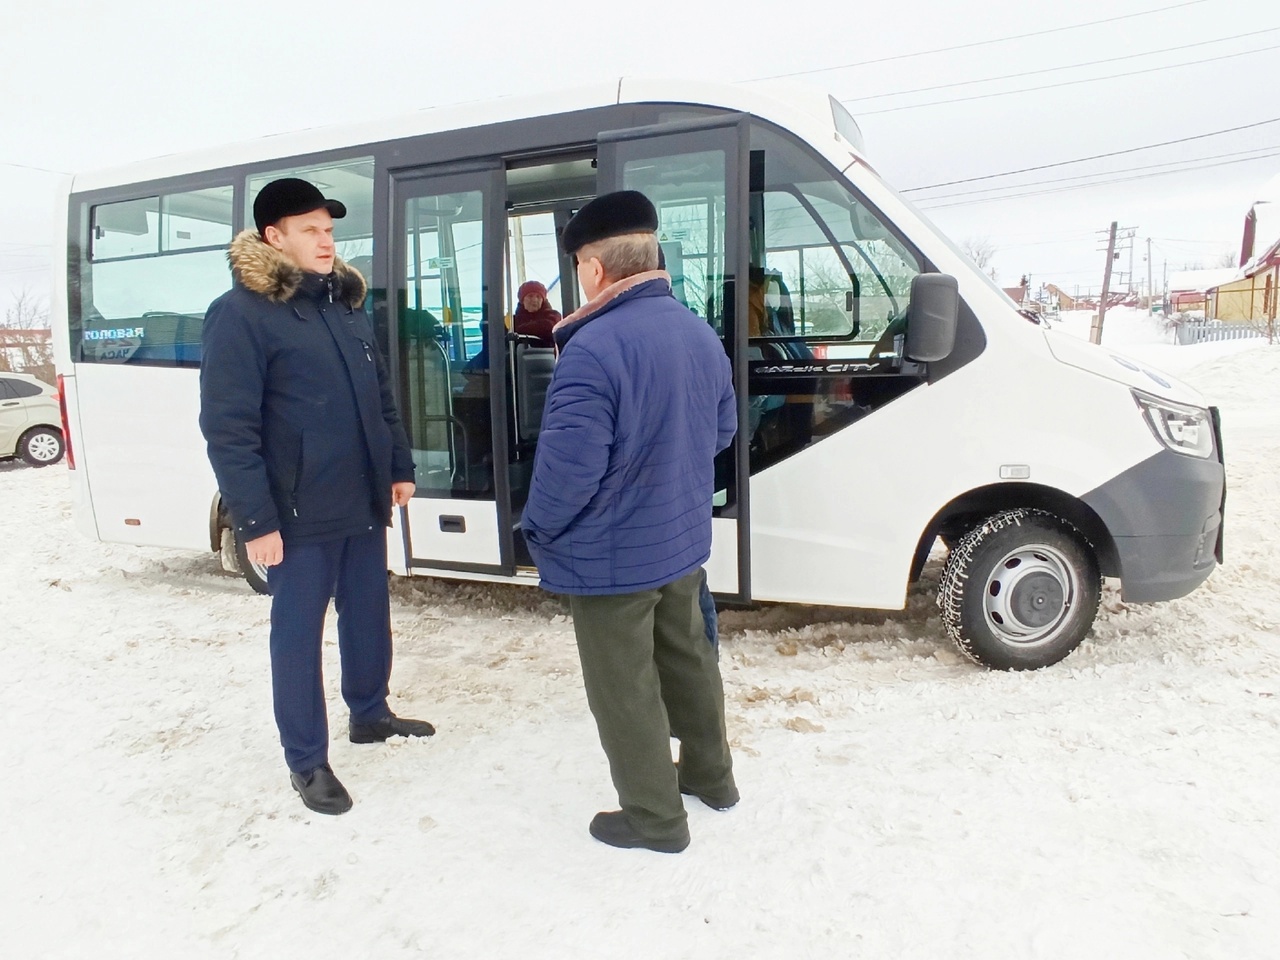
[(1146, 337), (1121, 327), (897, 800)]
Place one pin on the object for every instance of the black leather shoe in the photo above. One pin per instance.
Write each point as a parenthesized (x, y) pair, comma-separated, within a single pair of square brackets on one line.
[(715, 803), (389, 726), (616, 830), (321, 791)]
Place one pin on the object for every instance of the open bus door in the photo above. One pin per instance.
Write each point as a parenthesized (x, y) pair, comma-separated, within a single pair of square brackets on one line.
[(448, 237), (694, 172)]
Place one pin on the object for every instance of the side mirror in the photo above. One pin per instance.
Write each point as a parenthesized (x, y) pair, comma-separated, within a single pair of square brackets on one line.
[(931, 321)]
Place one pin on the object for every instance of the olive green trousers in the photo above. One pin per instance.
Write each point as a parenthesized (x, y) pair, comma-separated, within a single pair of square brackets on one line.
[(651, 675)]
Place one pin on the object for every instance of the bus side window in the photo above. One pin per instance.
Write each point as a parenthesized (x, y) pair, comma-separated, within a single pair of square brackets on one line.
[(828, 279), (152, 268)]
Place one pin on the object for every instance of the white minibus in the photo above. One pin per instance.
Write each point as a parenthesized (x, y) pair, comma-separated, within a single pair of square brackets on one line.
[(890, 396)]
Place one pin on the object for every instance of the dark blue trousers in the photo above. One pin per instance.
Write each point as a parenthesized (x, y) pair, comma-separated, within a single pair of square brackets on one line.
[(353, 571)]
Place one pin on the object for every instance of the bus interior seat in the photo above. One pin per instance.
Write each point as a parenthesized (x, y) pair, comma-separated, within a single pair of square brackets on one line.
[(534, 366)]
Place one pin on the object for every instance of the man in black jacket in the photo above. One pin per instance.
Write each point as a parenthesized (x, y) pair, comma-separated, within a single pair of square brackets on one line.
[(310, 456)]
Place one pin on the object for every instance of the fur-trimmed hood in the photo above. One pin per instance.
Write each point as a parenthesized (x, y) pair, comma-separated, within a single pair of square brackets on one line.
[(264, 270)]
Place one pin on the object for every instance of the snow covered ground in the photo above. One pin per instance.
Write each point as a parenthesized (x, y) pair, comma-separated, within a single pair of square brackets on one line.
[(897, 800)]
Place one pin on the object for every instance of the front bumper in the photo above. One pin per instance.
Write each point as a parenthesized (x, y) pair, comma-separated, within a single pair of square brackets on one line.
[(1165, 516), (1165, 568)]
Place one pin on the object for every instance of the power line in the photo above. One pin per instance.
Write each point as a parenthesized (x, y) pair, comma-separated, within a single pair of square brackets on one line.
[(1070, 235), (982, 43), (27, 166), (1068, 83), (1096, 156), (1215, 243), (1097, 183), (1069, 66), (1107, 173), (1073, 241)]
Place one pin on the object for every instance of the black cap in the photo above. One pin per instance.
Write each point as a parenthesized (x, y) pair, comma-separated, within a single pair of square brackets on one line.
[(609, 215), (288, 198)]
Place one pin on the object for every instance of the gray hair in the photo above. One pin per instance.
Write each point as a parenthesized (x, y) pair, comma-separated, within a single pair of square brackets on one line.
[(625, 255)]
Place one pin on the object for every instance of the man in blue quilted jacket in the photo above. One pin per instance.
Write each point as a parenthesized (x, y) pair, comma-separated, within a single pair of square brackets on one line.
[(619, 518)]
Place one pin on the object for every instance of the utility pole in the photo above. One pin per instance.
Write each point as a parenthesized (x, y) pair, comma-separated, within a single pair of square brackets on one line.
[(1095, 331), (517, 236), (1129, 235), (1151, 289)]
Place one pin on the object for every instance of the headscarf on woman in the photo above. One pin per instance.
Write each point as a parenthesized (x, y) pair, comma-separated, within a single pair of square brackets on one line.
[(535, 323)]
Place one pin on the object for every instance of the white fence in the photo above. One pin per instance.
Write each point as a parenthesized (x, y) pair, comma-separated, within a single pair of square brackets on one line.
[(1211, 331)]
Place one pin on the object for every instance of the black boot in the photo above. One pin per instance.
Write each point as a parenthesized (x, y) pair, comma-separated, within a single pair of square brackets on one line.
[(321, 791), (721, 802), (389, 726), (722, 799), (616, 830)]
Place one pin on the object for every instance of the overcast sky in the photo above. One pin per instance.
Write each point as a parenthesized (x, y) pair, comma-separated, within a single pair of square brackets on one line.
[(93, 85)]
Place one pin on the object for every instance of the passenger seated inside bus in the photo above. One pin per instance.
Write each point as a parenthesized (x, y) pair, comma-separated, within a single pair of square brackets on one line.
[(534, 316), (779, 423)]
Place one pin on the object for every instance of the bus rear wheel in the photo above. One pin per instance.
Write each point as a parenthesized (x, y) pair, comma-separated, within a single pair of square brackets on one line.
[(1020, 590), (255, 574)]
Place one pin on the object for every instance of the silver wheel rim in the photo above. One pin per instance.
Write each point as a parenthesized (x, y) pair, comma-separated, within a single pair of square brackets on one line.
[(43, 447), (1029, 595), (260, 570)]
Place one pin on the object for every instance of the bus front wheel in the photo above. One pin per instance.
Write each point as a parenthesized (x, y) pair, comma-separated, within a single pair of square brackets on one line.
[(255, 574), (1020, 590)]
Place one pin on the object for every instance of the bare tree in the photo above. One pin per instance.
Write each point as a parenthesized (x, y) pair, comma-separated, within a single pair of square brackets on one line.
[(822, 305), (25, 345), (980, 250), (1227, 258)]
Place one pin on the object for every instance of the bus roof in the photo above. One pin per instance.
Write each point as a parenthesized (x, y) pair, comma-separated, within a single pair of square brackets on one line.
[(803, 109)]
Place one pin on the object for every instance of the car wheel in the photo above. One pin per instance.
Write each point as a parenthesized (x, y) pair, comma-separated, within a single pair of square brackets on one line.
[(1020, 591), (41, 447), (255, 574)]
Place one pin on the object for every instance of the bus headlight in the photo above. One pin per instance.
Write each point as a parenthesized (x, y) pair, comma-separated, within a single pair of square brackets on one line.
[(1180, 427)]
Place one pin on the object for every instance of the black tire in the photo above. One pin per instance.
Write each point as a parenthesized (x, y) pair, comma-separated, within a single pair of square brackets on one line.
[(1020, 590), (41, 447), (254, 574)]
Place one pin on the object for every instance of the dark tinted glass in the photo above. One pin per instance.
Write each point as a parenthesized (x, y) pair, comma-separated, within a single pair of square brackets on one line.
[(21, 388)]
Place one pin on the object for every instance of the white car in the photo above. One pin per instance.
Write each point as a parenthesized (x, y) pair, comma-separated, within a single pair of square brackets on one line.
[(30, 421)]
